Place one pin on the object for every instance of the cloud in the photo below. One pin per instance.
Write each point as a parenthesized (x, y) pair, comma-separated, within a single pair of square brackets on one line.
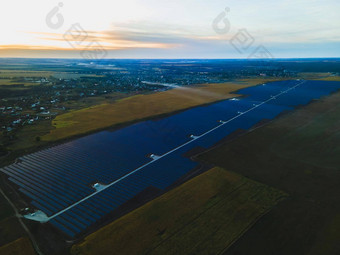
[(178, 28), (128, 36)]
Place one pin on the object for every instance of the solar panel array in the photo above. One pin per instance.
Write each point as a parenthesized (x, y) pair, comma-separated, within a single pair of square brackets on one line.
[(58, 180)]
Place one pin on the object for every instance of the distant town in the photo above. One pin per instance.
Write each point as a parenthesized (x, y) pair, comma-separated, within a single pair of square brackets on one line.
[(46, 96)]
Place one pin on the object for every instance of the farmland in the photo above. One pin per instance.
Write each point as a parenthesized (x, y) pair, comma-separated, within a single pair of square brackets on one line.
[(77, 153), (21, 246), (10, 74), (10, 229), (141, 107), (64, 92), (203, 216), (26, 137), (104, 148), (278, 182), (297, 154), (9, 78)]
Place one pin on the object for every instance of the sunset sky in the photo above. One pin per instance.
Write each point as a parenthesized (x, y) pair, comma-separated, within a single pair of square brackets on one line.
[(169, 28)]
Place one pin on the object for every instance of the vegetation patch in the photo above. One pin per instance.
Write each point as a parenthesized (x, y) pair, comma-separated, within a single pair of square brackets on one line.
[(202, 216), (10, 74)]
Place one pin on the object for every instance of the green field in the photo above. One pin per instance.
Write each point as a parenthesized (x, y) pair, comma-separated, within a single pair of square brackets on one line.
[(27, 136), (203, 216), (5, 82), (21, 77), (73, 75), (9, 78), (299, 154), (10, 74)]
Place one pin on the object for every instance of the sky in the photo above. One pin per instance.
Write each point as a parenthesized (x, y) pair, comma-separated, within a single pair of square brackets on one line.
[(170, 28)]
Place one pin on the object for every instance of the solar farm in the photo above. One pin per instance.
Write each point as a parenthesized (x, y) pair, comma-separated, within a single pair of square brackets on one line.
[(75, 184)]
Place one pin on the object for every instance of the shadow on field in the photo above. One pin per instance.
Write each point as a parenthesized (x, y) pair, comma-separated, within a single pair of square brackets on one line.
[(298, 154)]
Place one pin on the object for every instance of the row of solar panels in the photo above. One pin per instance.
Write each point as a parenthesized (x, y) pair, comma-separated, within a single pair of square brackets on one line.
[(106, 201), (58, 177)]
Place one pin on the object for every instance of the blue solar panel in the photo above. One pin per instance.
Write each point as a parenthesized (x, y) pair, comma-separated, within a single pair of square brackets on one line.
[(62, 228), (60, 176)]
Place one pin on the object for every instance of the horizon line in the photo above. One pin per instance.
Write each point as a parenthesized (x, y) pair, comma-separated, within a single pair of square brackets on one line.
[(269, 59)]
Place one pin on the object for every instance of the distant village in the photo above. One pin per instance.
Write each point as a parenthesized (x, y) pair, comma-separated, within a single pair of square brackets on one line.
[(20, 105)]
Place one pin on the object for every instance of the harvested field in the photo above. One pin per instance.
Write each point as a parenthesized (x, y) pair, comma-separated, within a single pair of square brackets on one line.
[(141, 107), (203, 216), (297, 153)]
